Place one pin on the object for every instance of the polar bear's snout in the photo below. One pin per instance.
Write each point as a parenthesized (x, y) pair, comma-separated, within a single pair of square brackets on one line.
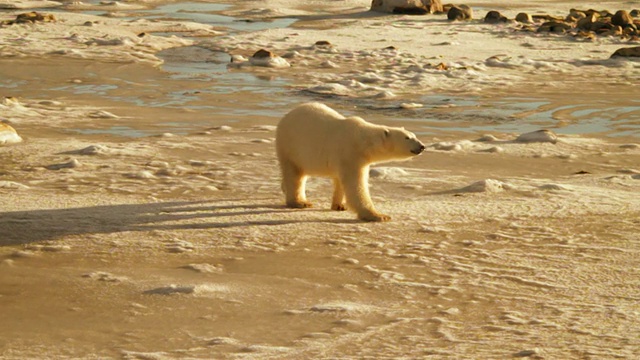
[(418, 149)]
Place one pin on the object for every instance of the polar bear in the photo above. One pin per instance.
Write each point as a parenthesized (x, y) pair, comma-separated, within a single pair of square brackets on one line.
[(315, 140)]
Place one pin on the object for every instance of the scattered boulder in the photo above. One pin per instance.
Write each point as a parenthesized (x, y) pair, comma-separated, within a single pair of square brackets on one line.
[(554, 27), (494, 17), (31, 18), (622, 18), (627, 52), (323, 43), (71, 164), (524, 18), (575, 15), (546, 17), (460, 12), (8, 135), (586, 23), (268, 59), (411, 7)]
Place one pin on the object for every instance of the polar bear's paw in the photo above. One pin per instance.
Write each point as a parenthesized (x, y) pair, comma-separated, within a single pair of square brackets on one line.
[(374, 217), (338, 207), (298, 204)]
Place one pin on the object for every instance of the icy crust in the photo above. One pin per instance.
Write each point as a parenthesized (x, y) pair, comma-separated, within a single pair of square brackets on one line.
[(95, 37), (470, 57)]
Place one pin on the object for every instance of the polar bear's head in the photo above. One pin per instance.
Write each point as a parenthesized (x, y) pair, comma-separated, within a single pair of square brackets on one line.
[(400, 144)]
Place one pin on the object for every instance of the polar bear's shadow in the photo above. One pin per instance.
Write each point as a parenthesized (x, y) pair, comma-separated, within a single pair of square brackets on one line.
[(249, 210), (33, 226)]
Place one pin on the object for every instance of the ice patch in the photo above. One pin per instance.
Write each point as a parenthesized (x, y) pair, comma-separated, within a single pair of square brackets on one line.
[(104, 276), (202, 289), (91, 150), (554, 187), (453, 146), (12, 185), (341, 307), (101, 114), (204, 268), (547, 136), (144, 175), (487, 185), (388, 172), (73, 163), (8, 135)]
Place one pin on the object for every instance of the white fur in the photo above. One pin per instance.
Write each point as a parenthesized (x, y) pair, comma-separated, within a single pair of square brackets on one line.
[(315, 140)]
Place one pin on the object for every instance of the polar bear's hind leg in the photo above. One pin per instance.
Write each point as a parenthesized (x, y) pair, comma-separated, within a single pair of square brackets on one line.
[(293, 185)]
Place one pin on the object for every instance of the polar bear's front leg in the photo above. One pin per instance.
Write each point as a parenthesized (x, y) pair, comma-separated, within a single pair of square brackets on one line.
[(355, 182), (293, 186), (338, 196)]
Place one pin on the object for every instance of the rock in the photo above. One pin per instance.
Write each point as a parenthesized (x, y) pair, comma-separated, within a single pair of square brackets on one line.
[(634, 13), (494, 17), (460, 12), (627, 52), (487, 138), (622, 18), (73, 163), (575, 15), (262, 54), (602, 26), (31, 18), (8, 135), (538, 136), (412, 7), (527, 353), (267, 58), (587, 22), (554, 27), (524, 18), (323, 43)]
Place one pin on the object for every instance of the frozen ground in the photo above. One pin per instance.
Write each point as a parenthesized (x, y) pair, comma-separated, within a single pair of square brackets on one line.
[(141, 216)]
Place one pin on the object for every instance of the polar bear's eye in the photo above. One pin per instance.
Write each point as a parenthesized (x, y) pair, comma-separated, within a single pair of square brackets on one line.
[(407, 138)]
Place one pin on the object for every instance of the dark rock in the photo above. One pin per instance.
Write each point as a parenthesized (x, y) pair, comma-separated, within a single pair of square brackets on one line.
[(460, 12), (323, 43), (554, 27), (31, 18), (605, 14), (545, 17), (627, 52), (411, 7), (585, 35), (494, 17), (602, 26), (634, 13), (410, 10), (524, 18), (592, 12), (262, 54), (622, 18), (575, 15), (587, 22)]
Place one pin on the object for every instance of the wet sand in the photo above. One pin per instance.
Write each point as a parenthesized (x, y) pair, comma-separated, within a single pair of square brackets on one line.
[(142, 217)]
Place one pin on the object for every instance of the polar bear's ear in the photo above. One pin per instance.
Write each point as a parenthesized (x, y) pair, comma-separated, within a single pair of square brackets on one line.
[(386, 133)]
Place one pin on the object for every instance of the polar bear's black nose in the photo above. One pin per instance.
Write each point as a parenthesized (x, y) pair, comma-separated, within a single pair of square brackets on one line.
[(418, 150)]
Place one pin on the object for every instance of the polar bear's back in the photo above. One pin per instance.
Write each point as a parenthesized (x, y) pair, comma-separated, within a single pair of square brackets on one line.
[(310, 137)]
